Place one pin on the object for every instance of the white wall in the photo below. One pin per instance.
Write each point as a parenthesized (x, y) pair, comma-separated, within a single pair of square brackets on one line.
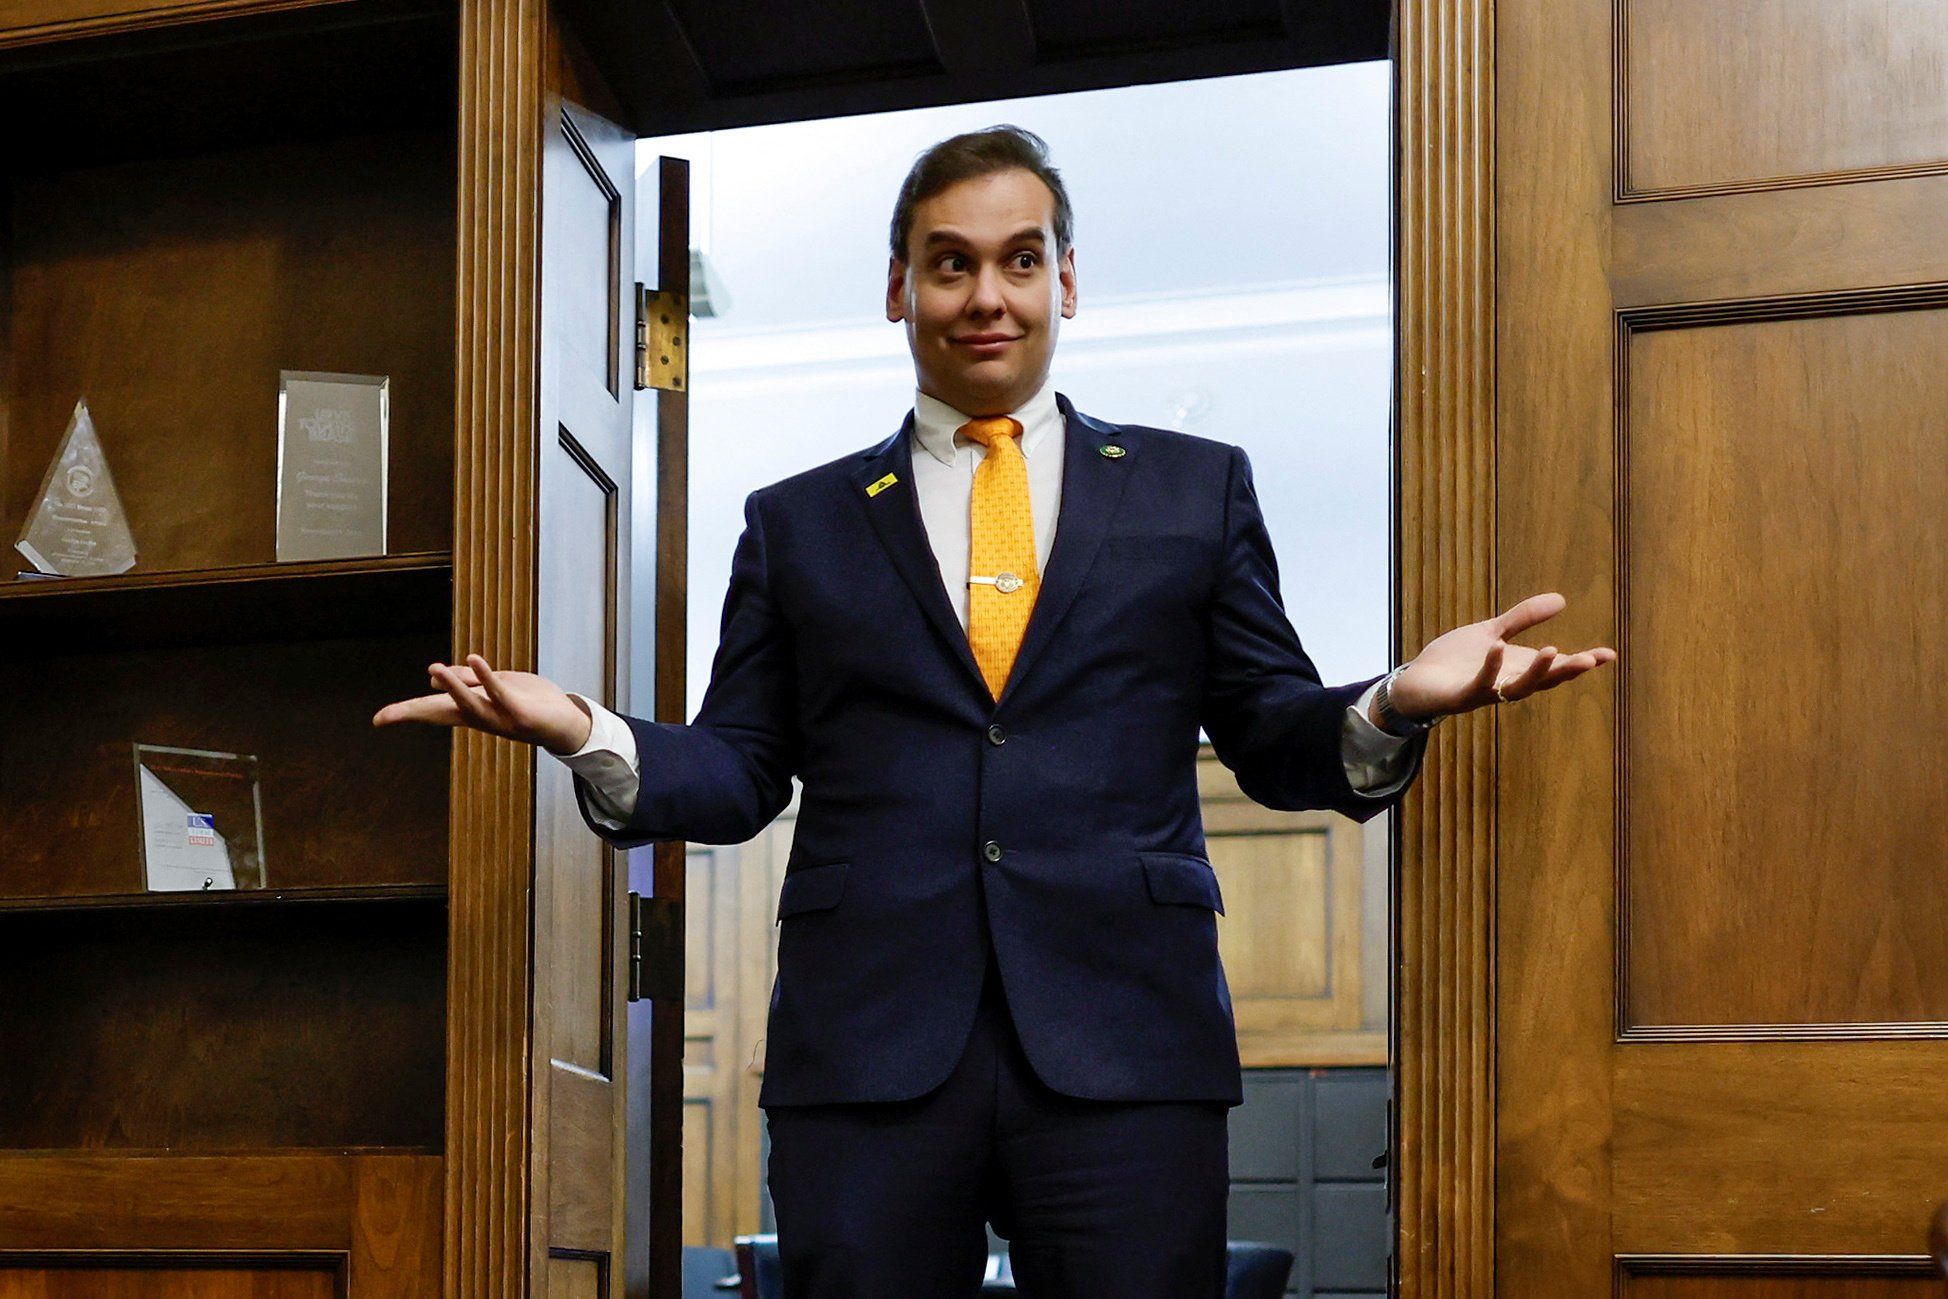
[(1231, 244)]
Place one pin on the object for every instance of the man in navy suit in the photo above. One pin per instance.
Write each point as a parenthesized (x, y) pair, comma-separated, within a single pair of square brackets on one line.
[(999, 997)]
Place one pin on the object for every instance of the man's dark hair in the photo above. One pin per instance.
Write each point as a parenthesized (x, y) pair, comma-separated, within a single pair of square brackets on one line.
[(980, 153)]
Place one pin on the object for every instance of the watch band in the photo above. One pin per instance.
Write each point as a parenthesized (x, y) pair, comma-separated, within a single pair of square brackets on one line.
[(1392, 722)]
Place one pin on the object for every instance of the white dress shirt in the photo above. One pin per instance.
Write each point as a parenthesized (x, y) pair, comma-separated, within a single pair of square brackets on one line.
[(943, 479)]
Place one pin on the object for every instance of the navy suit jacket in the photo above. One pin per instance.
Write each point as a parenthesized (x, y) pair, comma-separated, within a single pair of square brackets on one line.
[(1060, 822)]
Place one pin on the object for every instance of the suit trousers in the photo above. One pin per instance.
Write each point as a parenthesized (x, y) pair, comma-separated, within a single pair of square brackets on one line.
[(1097, 1199)]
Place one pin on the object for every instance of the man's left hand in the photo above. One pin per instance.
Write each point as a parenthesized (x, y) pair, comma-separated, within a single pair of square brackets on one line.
[(1458, 670)]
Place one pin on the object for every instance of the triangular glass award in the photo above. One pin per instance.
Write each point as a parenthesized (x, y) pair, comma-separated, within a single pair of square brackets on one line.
[(77, 528)]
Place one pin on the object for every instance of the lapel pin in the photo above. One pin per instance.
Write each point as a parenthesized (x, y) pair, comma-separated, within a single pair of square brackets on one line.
[(1110, 451), (880, 486)]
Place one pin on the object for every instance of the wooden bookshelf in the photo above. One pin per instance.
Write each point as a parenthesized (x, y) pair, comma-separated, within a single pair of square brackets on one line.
[(246, 1088)]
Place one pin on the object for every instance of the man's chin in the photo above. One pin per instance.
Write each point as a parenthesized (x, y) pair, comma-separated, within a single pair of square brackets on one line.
[(984, 388)]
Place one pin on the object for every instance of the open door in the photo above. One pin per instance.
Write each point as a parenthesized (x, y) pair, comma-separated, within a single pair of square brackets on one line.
[(1718, 942), (605, 1066)]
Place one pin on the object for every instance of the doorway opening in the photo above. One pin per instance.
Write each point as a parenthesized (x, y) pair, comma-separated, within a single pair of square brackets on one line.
[(1232, 254)]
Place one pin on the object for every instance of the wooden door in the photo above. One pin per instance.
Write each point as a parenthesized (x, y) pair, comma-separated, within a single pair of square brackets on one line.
[(581, 943), (1722, 937)]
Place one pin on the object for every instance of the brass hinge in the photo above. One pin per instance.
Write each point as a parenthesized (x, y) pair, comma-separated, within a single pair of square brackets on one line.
[(655, 949), (662, 340)]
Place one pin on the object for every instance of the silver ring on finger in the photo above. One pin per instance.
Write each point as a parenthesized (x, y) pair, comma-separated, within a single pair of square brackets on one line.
[(1500, 698)]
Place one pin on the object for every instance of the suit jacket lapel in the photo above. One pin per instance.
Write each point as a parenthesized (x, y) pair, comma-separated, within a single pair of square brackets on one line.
[(1092, 486), (895, 515)]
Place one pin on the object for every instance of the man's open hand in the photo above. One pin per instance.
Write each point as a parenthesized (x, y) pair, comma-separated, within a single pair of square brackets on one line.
[(517, 705), (1458, 670)]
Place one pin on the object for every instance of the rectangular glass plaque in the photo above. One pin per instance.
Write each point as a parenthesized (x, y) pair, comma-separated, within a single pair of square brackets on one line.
[(202, 819), (331, 465)]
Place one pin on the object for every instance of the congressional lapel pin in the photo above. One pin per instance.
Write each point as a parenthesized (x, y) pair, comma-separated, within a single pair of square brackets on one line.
[(880, 486), (1110, 451)]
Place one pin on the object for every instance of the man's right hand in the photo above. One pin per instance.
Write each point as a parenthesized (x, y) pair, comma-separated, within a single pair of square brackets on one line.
[(516, 705)]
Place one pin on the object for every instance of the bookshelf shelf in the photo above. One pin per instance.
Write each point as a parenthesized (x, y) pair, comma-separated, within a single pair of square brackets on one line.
[(333, 598), (241, 901)]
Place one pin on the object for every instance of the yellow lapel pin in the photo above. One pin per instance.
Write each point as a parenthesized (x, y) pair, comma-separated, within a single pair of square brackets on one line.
[(880, 486)]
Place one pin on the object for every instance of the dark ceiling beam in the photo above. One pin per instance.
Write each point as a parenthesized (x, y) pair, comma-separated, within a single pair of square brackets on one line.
[(651, 63), (1338, 31), (835, 98), (987, 48), (977, 38)]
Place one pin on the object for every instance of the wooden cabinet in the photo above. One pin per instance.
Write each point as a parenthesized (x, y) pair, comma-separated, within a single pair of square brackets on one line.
[(327, 1085)]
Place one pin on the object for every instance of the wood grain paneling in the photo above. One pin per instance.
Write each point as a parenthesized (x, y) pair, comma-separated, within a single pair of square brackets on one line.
[(31, 22), (1293, 935), (1703, 1124), (157, 1281), (1747, 93), (582, 1141), (204, 1028), (1714, 441), (1280, 946), (377, 1215), (1448, 89), (730, 954), (1782, 479), (1789, 1277), (702, 1158), (491, 812), (343, 803), (1552, 481), (581, 947), (169, 293), (578, 629), (716, 1106), (1733, 247), (573, 1276)]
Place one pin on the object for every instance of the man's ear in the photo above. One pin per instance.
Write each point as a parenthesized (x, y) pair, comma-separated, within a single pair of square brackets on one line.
[(895, 289), (1066, 272)]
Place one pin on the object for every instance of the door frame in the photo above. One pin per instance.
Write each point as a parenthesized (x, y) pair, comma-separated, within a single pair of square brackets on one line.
[(1445, 565), (1442, 1149)]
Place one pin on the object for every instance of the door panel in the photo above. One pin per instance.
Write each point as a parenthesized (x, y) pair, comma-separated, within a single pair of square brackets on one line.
[(1765, 93), (1721, 952), (580, 942), (1780, 490)]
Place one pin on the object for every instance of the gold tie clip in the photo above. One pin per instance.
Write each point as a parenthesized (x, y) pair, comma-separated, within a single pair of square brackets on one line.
[(1002, 582)]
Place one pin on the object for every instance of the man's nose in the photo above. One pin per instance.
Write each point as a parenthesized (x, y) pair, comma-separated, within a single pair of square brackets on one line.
[(987, 298)]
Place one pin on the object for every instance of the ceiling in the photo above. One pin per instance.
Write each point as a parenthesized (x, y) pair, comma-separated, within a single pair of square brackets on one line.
[(694, 65)]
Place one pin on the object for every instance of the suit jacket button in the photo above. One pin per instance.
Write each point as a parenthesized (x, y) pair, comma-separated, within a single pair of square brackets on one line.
[(991, 850), (996, 735)]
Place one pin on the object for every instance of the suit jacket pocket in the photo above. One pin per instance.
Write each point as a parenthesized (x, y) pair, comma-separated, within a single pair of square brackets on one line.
[(1181, 877), (812, 888)]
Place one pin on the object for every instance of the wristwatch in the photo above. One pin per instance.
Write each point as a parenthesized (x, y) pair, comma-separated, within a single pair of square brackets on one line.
[(1392, 722)]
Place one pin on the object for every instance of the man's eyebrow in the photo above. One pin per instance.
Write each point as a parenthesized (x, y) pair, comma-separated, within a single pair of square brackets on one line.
[(1025, 235)]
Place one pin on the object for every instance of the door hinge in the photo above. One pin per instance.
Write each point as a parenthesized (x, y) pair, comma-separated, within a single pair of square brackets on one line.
[(662, 340), (655, 949)]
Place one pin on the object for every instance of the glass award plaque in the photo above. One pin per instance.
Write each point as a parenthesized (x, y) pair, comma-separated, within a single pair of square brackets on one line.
[(77, 528), (331, 465), (202, 820)]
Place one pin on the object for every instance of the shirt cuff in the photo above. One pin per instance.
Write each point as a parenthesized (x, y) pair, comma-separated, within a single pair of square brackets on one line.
[(1373, 758), (608, 761)]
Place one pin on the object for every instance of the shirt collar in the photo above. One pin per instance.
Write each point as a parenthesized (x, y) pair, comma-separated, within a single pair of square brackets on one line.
[(935, 423)]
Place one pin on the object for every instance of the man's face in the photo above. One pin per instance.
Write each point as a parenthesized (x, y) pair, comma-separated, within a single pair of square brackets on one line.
[(978, 292)]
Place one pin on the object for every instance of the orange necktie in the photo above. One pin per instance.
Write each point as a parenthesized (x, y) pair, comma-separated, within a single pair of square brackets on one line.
[(1002, 579)]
